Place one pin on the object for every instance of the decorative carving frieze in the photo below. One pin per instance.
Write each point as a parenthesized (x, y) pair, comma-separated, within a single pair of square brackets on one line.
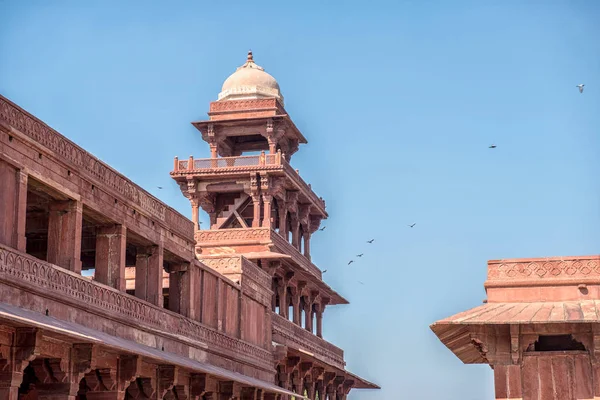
[(50, 280), (544, 269)]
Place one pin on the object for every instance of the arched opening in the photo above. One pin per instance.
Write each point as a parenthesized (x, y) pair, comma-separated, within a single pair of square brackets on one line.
[(313, 317)]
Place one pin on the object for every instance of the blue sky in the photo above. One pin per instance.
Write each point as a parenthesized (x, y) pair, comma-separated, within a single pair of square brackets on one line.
[(399, 101)]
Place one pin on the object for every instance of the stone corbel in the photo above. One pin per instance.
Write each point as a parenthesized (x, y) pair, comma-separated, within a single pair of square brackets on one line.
[(303, 211), (328, 378), (203, 385), (515, 350), (292, 200), (166, 380), (129, 369), (230, 390)]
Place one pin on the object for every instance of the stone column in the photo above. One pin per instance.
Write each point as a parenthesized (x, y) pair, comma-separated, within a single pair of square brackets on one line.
[(320, 310), (295, 230), (110, 256), (266, 222), (307, 244), (64, 234), (195, 213), (148, 274), (175, 288), (13, 206), (507, 381), (296, 306), (283, 303), (283, 219), (308, 315), (190, 292), (256, 216)]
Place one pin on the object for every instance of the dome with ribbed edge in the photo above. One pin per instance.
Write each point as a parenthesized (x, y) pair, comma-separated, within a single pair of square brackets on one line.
[(250, 81)]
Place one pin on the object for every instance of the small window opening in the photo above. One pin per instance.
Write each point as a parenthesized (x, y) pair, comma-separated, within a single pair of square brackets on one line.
[(93, 188), (10, 138), (115, 201), (557, 343), (133, 212), (68, 173), (40, 156)]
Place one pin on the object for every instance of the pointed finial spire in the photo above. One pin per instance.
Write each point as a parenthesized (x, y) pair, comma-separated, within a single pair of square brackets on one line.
[(250, 58)]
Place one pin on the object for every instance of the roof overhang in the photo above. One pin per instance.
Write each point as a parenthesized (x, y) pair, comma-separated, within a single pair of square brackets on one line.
[(21, 317)]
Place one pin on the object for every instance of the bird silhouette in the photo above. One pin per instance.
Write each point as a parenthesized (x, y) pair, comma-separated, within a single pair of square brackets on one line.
[(370, 241), (493, 146), (324, 270), (350, 262), (360, 282), (360, 255), (580, 86), (323, 228), (413, 225), (160, 187)]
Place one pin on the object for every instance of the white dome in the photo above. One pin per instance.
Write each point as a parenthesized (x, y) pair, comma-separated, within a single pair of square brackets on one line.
[(250, 81)]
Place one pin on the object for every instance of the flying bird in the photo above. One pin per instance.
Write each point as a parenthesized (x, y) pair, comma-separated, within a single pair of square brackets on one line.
[(413, 225), (370, 241), (359, 255), (360, 282), (493, 146), (350, 262), (160, 187), (323, 228), (324, 270), (580, 86)]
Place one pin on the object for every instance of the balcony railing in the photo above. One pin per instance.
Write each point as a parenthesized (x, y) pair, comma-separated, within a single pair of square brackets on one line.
[(302, 339), (50, 281), (243, 162), (255, 235)]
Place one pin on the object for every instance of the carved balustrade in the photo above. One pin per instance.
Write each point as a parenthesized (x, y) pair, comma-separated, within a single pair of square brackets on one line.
[(50, 281), (250, 163), (243, 236), (292, 335)]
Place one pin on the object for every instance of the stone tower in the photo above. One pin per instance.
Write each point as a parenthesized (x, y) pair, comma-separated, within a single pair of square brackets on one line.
[(538, 329), (261, 211)]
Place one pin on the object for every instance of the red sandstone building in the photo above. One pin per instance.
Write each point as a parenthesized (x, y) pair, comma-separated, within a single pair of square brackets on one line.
[(171, 311), (538, 329)]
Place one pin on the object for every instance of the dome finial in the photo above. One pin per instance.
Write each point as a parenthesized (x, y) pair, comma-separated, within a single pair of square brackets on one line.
[(250, 58)]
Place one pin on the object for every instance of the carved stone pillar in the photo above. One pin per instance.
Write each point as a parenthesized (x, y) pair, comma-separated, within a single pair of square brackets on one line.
[(256, 215), (64, 234), (190, 292), (319, 310), (307, 244), (195, 213), (296, 306), (148, 274), (307, 314), (266, 223), (283, 219), (178, 295), (13, 206), (283, 301), (110, 256), (295, 230)]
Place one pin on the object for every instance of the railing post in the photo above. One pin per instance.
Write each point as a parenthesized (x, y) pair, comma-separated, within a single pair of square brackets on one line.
[(176, 164), (262, 158), (191, 163), (278, 157)]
